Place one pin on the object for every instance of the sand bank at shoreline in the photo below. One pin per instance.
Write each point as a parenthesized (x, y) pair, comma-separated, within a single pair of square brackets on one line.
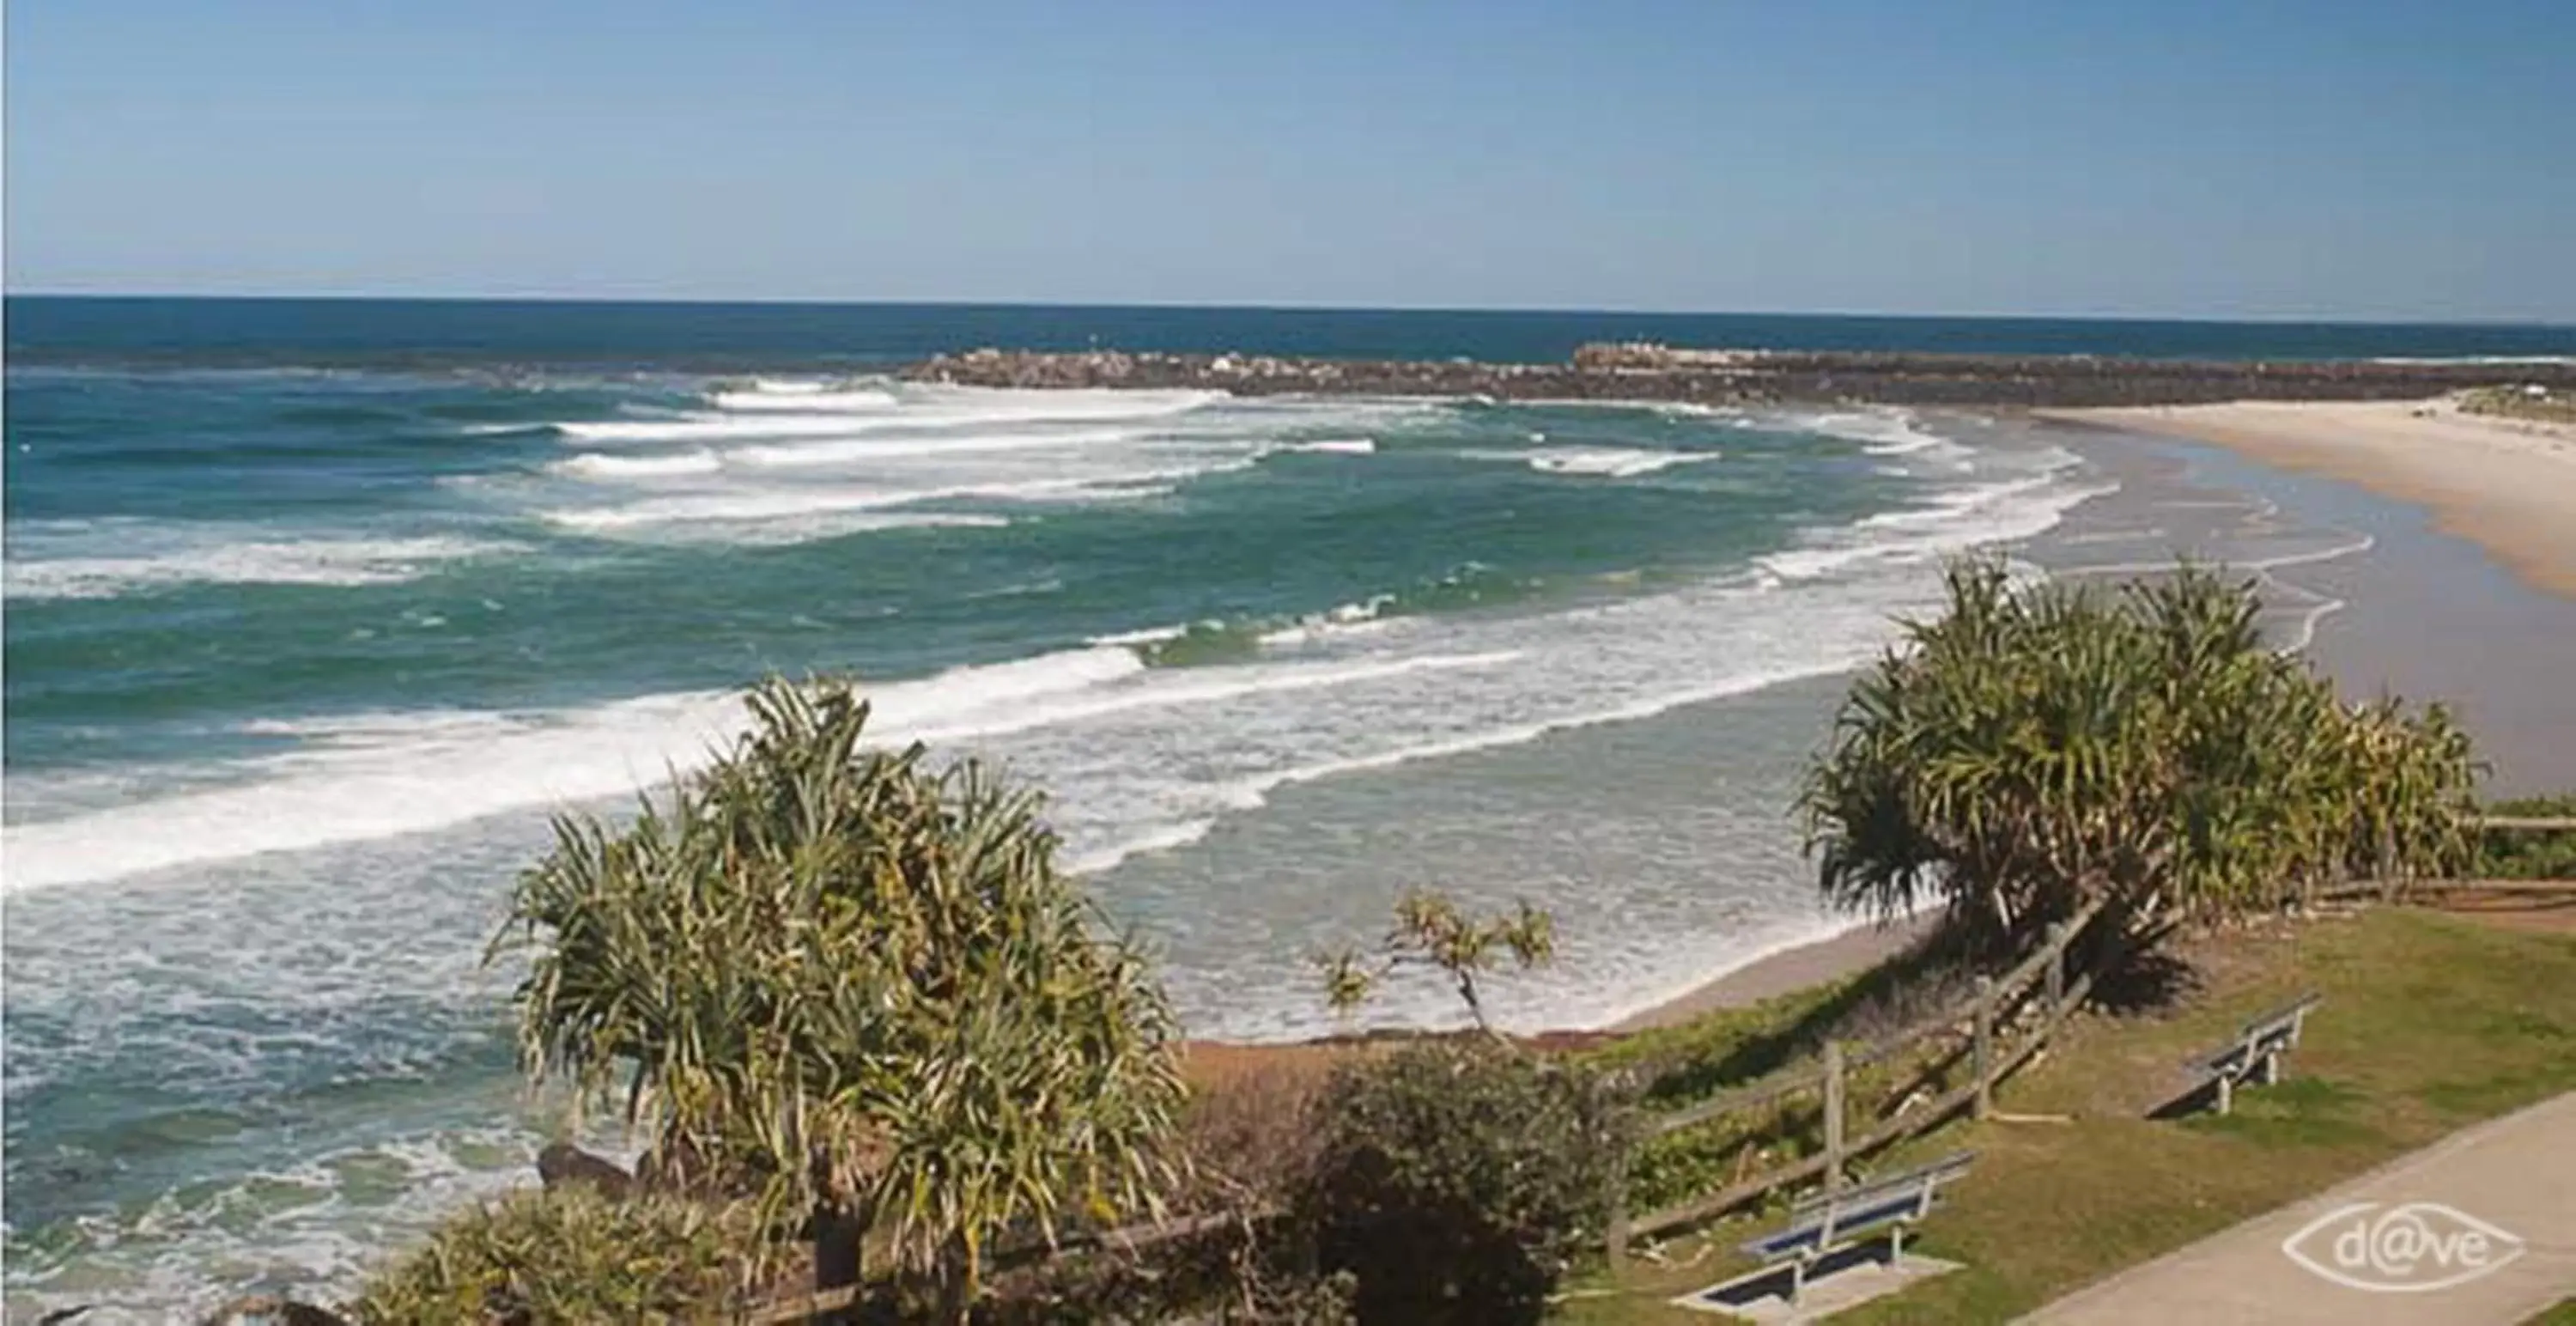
[(1819, 962), (1829, 959), (2508, 486)]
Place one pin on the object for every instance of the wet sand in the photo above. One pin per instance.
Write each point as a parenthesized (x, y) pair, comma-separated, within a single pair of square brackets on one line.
[(1785, 972), (2508, 486)]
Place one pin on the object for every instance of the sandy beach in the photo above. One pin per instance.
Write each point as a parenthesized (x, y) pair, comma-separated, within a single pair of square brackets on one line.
[(1829, 959), (2508, 486)]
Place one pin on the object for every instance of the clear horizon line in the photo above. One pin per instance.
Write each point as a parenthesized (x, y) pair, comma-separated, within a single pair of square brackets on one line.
[(1274, 307)]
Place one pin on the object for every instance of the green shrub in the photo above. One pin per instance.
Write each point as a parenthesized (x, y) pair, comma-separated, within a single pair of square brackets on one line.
[(569, 1255), (1457, 1181), (2522, 854), (858, 987), (2037, 748)]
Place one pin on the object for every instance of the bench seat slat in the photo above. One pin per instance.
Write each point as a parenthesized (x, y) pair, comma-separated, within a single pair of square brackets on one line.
[(1857, 1211), (1938, 1172), (2265, 1035)]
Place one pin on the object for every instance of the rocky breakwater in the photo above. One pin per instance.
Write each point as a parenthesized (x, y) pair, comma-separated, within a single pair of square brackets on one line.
[(1726, 377)]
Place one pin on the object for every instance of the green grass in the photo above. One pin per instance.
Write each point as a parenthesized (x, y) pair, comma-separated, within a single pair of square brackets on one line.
[(2430, 1022)]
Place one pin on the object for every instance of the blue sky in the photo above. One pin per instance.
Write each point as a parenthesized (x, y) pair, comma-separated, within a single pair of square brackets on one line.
[(2263, 159)]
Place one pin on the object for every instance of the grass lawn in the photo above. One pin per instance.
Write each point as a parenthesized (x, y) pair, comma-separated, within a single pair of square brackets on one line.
[(2431, 1022)]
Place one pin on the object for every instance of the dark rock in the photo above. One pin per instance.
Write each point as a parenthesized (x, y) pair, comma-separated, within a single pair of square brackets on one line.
[(562, 1163), (268, 1310), (1722, 377)]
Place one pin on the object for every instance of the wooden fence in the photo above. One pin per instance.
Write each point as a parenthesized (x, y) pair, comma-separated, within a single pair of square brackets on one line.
[(1996, 1029), (2026, 1006)]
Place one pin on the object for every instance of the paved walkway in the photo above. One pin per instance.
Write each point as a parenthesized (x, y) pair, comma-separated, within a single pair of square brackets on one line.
[(2516, 1174)]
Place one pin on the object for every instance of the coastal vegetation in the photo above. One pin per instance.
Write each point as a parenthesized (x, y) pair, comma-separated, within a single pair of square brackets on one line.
[(2526, 401), (855, 991), (2517, 854), (2039, 747), (1432, 931), (873, 1040), (571, 1254)]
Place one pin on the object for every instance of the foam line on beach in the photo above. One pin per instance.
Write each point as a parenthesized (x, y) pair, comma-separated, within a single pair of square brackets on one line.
[(361, 778), (1252, 793), (748, 505), (817, 401), (57, 564)]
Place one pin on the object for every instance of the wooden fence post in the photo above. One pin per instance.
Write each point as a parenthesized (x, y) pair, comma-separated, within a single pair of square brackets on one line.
[(1617, 1234), (1616, 1226), (1983, 1046), (1833, 1116), (2058, 937)]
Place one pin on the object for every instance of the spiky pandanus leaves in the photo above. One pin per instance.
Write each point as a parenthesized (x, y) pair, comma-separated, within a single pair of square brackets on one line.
[(855, 988), (2038, 747)]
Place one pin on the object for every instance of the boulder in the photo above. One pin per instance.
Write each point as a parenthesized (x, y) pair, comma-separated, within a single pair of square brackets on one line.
[(562, 1163), (269, 1310)]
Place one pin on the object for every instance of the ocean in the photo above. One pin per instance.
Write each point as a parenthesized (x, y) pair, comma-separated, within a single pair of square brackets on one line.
[(317, 610)]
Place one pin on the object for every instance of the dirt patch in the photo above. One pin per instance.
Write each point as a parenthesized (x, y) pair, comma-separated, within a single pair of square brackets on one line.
[(2539, 914)]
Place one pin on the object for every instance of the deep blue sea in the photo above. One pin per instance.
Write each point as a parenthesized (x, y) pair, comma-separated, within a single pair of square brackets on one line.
[(315, 610)]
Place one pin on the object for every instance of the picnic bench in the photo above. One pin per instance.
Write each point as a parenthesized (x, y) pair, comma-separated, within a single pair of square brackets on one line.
[(2255, 1052), (1826, 1223)]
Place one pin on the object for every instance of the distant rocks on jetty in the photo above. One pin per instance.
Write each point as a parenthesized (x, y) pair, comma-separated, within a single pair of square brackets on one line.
[(1647, 371)]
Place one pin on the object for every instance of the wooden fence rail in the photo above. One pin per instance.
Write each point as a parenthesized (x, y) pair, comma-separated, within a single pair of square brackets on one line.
[(1985, 1023), (1988, 1022)]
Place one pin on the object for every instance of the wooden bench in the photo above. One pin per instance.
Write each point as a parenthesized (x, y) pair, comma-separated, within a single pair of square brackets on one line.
[(1823, 1224), (2256, 1052)]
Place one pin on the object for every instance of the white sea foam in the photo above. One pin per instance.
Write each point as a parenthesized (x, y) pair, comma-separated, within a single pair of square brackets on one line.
[(1336, 446), (924, 410), (746, 505), (1612, 462), (41, 565), (594, 465), (818, 400), (744, 508), (1884, 432), (376, 776), (846, 451), (703, 428), (1151, 635), (1343, 619), (1994, 512)]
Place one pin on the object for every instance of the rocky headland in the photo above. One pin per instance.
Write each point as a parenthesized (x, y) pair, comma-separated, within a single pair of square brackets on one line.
[(1753, 377)]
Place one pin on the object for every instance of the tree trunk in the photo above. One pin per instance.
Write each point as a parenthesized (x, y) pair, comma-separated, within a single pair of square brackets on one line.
[(836, 1259)]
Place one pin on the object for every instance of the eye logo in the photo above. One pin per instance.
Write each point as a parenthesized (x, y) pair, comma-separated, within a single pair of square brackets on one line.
[(2406, 1249)]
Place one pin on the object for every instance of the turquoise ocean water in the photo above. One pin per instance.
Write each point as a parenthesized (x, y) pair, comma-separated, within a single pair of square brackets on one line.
[(315, 612)]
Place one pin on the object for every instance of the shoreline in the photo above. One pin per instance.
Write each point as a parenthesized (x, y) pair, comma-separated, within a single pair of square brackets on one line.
[(1804, 965), (2507, 486), (1834, 957)]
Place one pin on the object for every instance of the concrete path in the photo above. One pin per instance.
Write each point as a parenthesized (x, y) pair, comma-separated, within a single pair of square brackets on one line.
[(2516, 1174)]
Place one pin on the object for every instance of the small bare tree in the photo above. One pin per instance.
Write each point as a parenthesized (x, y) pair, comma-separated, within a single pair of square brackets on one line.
[(1431, 930)]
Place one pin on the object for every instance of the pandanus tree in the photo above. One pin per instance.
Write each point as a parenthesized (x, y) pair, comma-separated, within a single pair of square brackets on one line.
[(2037, 747), (857, 990)]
